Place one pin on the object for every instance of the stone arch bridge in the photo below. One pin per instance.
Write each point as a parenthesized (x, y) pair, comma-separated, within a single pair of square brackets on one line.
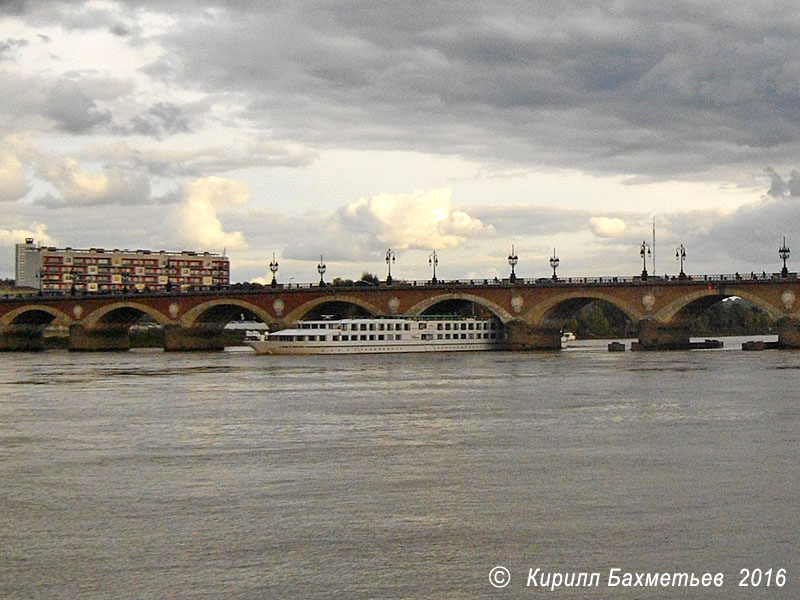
[(532, 311)]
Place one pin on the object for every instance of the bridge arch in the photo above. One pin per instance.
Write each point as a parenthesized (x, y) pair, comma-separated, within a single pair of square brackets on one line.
[(35, 314), (687, 307), (556, 310), (299, 312), (125, 312), (227, 307), (500, 312)]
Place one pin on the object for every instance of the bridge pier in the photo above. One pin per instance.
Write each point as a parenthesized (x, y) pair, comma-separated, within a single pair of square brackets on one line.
[(192, 339), (653, 336), (788, 333), (98, 339), (22, 338), (523, 336)]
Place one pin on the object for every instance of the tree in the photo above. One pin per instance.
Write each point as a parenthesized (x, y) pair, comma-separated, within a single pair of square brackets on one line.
[(370, 278)]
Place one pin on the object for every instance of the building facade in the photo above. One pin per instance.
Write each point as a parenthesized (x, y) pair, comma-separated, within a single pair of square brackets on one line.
[(98, 270)]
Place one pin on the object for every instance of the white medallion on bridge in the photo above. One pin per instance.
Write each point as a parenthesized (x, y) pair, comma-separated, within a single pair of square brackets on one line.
[(278, 306), (394, 304), (517, 302), (77, 311), (648, 301), (174, 309), (788, 299)]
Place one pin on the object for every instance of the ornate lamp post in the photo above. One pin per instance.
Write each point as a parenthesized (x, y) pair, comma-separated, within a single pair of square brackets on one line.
[(680, 254), (321, 270), (644, 252), (554, 262), (390, 257), (273, 266), (513, 259), (433, 261), (783, 252)]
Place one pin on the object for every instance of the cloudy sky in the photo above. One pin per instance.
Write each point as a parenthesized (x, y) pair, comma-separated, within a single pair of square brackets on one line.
[(346, 127)]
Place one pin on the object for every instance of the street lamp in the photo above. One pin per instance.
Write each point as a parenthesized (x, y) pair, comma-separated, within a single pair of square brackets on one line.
[(273, 266), (513, 259), (321, 270), (390, 258), (433, 261), (680, 254), (644, 252), (783, 252), (554, 262)]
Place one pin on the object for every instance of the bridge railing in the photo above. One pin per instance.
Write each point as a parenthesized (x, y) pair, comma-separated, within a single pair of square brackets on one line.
[(427, 283)]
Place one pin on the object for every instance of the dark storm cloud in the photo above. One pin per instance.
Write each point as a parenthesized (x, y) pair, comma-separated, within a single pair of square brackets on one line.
[(72, 110), (161, 118), (654, 90)]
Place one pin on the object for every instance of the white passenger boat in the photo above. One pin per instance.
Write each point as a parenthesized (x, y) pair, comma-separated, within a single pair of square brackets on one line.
[(383, 334), (567, 336)]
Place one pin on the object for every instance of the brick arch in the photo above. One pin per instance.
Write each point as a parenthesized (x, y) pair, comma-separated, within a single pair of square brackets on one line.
[(498, 310), (61, 317), (674, 309), (538, 315), (98, 315), (299, 312), (191, 316)]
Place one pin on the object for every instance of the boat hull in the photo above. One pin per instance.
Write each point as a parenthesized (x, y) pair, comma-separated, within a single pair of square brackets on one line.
[(267, 347)]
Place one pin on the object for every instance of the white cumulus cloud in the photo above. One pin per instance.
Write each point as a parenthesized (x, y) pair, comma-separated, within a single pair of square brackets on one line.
[(38, 231), (607, 227), (197, 214), (404, 221), (78, 187)]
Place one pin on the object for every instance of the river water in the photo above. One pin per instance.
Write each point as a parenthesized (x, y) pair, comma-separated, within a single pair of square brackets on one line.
[(230, 475)]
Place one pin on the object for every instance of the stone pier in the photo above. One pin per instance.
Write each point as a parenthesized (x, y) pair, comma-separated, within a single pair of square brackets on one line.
[(98, 339), (523, 336), (788, 333), (653, 336), (22, 338), (192, 339)]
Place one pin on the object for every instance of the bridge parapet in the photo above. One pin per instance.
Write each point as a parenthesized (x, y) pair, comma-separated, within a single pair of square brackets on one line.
[(534, 310)]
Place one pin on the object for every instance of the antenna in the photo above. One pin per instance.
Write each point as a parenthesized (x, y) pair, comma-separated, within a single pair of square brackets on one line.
[(654, 245)]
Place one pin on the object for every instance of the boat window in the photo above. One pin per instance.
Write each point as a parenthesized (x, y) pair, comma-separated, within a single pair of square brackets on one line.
[(363, 327), (390, 327), (372, 326), (398, 336), (408, 326), (447, 326), (363, 338), (381, 336), (336, 338), (463, 336), (493, 336), (472, 336), (471, 326), (345, 338), (381, 326), (463, 326), (439, 336), (447, 336), (423, 325), (439, 326)]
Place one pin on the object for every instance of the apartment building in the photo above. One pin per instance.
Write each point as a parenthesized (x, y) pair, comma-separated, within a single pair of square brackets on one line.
[(99, 270)]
